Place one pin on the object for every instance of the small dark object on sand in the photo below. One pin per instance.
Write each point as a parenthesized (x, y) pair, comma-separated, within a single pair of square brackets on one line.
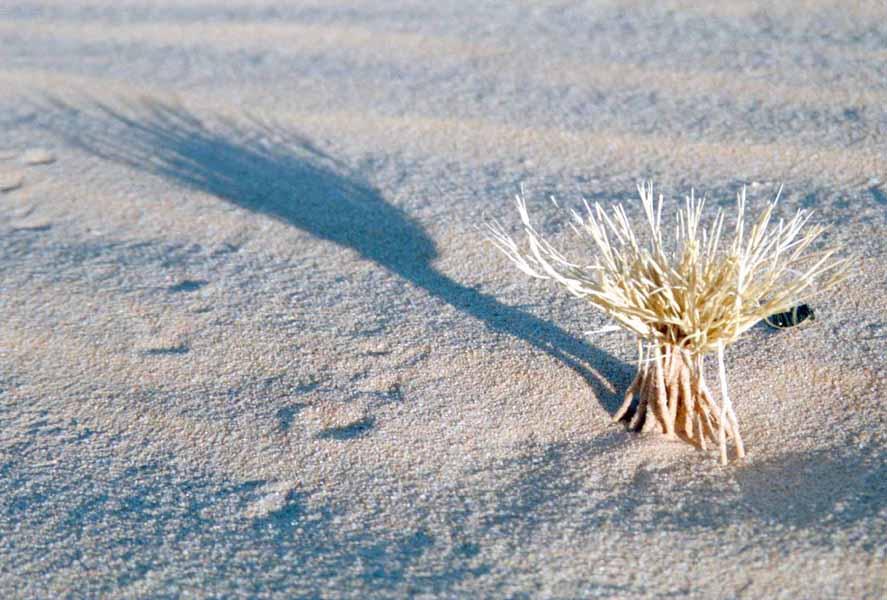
[(796, 315)]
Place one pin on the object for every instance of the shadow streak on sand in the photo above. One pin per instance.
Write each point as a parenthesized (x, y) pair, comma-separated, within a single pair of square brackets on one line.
[(266, 169)]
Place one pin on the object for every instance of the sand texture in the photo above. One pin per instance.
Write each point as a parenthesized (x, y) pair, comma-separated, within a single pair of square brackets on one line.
[(252, 343)]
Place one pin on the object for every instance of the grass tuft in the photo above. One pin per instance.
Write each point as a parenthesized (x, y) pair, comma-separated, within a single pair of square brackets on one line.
[(686, 296)]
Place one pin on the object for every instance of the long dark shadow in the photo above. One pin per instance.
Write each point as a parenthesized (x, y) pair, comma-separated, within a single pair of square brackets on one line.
[(269, 170)]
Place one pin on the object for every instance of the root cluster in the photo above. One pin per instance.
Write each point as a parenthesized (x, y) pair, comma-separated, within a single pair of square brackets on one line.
[(674, 399)]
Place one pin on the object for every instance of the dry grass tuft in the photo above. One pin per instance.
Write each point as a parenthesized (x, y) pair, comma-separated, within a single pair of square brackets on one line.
[(684, 298)]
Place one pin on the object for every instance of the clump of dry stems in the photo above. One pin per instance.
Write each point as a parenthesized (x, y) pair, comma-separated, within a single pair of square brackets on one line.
[(682, 298)]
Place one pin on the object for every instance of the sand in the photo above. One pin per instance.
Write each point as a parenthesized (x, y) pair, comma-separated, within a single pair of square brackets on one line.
[(252, 344)]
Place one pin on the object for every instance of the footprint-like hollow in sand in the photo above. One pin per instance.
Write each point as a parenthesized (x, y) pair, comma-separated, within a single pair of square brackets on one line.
[(164, 347), (275, 497), (348, 432), (187, 285), (338, 420), (286, 415), (181, 349), (38, 156), (11, 181)]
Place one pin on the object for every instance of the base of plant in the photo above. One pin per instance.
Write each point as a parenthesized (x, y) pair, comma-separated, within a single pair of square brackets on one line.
[(674, 399)]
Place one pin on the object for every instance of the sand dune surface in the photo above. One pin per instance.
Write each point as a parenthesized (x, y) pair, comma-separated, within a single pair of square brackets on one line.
[(253, 344)]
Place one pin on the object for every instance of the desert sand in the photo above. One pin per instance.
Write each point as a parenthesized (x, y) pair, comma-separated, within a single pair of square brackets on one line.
[(253, 344)]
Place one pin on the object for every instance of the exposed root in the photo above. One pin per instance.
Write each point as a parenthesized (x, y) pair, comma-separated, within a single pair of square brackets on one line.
[(674, 398), (635, 385)]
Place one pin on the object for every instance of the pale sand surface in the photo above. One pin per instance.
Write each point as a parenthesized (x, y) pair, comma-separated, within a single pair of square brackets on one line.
[(252, 345)]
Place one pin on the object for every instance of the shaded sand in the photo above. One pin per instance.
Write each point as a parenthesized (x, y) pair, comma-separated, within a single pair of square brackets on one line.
[(252, 344)]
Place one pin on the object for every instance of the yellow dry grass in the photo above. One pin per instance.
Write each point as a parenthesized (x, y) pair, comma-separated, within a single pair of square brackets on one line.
[(684, 297)]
